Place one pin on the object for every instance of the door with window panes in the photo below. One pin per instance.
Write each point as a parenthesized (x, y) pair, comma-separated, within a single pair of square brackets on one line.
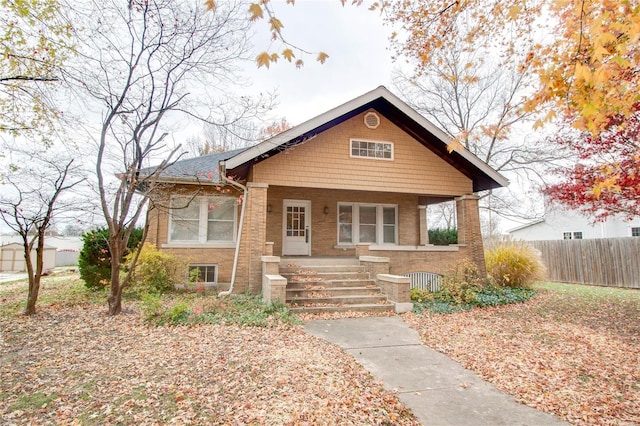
[(296, 228)]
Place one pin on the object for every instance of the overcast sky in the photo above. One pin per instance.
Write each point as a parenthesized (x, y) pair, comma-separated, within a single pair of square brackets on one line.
[(359, 58)]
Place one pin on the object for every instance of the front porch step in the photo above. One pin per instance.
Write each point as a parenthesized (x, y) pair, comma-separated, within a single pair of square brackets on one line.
[(320, 284), (331, 285), (340, 300), (318, 261), (317, 290), (310, 275), (366, 307), (320, 269)]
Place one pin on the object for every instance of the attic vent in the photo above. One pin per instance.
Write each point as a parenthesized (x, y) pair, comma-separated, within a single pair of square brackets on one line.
[(371, 120)]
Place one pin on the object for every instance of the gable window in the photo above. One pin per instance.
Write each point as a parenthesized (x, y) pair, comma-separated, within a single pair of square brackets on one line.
[(367, 223), (206, 274), (203, 220), (635, 231), (371, 149)]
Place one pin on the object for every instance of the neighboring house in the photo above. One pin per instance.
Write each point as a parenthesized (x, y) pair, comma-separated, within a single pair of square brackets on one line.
[(12, 258), (66, 249), (562, 224), (352, 182)]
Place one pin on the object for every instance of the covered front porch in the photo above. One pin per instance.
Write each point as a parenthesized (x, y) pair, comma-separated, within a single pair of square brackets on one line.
[(311, 223)]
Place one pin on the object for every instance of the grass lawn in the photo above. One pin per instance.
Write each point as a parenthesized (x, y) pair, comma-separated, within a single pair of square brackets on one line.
[(573, 351), (72, 364)]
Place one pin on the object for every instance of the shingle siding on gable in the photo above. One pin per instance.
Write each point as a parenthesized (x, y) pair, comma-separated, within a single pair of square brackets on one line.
[(324, 162)]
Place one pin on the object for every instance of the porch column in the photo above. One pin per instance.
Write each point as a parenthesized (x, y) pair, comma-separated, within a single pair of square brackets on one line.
[(469, 232), (254, 237), (424, 231)]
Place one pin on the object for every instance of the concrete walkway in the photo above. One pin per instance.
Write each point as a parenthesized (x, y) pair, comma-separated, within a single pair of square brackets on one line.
[(437, 389), (6, 277)]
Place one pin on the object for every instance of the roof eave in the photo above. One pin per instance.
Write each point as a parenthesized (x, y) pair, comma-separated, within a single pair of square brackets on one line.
[(380, 92)]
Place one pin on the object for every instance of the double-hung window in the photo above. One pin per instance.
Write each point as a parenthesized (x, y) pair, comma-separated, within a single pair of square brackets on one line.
[(203, 220), (367, 223)]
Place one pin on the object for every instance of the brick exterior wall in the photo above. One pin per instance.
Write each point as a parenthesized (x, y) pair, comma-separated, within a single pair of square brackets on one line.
[(158, 234), (324, 227), (433, 260), (469, 231), (252, 245)]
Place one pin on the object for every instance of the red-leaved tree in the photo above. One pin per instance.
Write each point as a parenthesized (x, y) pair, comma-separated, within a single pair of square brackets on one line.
[(606, 179)]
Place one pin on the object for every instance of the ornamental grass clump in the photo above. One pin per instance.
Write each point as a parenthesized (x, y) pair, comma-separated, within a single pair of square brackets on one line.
[(514, 264)]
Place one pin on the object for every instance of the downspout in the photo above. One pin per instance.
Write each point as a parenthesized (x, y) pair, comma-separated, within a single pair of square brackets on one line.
[(223, 177)]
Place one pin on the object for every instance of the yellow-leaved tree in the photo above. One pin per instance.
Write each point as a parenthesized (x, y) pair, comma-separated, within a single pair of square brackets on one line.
[(585, 52)]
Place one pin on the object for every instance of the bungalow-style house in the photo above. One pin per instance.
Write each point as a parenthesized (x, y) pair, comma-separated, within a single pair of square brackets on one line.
[(352, 183)]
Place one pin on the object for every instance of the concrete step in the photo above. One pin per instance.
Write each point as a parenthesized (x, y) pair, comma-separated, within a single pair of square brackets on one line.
[(324, 276), (314, 291), (318, 261), (319, 269), (338, 300), (365, 307), (319, 284)]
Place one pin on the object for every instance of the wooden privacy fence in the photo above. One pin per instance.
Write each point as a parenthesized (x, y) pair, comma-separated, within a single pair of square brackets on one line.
[(612, 262)]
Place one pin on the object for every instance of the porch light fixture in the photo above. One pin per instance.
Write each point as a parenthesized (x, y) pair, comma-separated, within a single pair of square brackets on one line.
[(268, 208), (326, 209)]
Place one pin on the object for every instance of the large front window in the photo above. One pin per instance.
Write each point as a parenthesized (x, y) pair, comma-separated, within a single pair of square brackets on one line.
[(203, 219), (367, 223)]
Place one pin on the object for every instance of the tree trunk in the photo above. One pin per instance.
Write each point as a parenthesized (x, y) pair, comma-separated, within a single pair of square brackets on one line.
[(32, 297), (115, 301), (115, 294), (34, 280)]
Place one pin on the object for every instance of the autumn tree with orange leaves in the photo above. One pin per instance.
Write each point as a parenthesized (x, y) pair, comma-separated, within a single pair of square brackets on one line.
[(585, 57)]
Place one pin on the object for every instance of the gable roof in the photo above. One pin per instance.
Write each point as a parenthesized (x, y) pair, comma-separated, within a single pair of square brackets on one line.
[(395, 110), (238, 162), (191, 169), (526, 225)]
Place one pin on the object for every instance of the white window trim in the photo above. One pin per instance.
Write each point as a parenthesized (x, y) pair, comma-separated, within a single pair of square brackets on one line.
[(202, 225), (215, 274), (355, 224), (351, 140)]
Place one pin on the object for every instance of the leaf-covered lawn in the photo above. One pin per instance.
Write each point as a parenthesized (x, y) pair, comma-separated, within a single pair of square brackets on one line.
[(573, 351), (72, 364)]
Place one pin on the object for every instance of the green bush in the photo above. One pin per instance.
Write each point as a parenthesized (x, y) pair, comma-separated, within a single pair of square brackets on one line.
[(94, 260), (155, 271), (514, 264), (488, 296), (419, 295), (461, 283), (443, 236), (242, 310)]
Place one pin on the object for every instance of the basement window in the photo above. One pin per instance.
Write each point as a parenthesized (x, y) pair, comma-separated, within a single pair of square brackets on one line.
[(378, 150), (204, 273)]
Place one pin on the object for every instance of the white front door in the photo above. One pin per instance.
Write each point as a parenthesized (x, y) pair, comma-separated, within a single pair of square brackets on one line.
[(296, 228)]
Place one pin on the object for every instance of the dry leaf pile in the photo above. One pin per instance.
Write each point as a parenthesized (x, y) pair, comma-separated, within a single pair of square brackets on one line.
[(575, 357), (72, 364)]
